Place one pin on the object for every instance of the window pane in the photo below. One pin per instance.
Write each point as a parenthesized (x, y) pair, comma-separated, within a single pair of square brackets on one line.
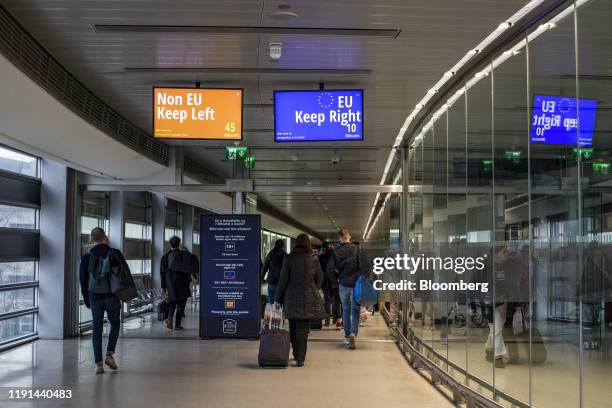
[(89, 223), (84, 315), (137, 231), (17, 327), (16, 272), (17, 217), (555, 269), (170, 232), (139, 266), (15, 300), (18, 162)]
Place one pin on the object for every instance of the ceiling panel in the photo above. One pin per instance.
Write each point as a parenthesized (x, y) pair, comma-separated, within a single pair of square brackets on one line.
[(434, 35)]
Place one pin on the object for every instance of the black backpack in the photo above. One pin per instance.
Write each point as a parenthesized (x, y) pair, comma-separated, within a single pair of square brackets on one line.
[(181, 260)]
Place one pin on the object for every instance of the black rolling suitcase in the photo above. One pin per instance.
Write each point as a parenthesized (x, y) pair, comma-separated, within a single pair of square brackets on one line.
[(274, 343), (162, 311)]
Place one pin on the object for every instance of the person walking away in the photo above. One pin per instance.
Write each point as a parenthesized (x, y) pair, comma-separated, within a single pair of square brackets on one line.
[(272, 265), (330, 286), (495, 346), (345, 264), (177, 267), (298, 291), (94, 271)]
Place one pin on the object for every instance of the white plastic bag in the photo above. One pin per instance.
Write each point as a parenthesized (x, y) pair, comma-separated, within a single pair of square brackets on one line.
[(273, 316), (267, 314), (517, 321)]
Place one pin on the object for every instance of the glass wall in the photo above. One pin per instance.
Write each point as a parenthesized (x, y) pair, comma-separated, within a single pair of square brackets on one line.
[(516, 166), (268, 238), (173, 223), (94, 213), (19, 231), (138, 218)]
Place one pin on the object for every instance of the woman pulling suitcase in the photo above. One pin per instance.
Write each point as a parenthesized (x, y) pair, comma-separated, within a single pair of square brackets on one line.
[(298, 291)]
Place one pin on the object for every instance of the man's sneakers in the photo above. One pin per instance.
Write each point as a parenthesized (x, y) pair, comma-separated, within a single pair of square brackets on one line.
[(351, 340), (168, 324), (99, 368), (345, 342), (339, 325), (110, 362), (179, 328)]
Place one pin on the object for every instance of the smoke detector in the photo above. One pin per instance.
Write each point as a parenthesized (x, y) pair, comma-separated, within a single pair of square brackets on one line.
[(283, 13)]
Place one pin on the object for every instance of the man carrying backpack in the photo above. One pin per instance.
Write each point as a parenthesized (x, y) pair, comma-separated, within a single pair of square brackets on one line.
[(177, 268), (344, 264), (95, 270), (273, 265)]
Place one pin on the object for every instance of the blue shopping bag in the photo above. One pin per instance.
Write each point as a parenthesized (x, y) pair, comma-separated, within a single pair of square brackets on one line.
[(365, 294)]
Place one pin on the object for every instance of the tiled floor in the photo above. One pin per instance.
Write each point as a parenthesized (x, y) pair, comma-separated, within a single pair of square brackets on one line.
[(222, 373)]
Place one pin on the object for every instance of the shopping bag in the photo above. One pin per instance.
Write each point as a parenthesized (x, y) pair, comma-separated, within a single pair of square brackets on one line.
[(364, 293), (121, 282), (517, 321)]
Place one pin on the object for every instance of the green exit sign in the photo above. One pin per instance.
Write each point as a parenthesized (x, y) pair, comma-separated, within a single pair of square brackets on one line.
[(235, 153), (249, 163)]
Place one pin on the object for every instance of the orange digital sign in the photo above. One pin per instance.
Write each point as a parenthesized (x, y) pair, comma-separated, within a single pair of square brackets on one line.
[(197, 113)]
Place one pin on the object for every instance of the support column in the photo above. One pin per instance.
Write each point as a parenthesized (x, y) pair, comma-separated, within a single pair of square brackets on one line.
[(157, 236), (404, 227), (116, 229), (238, 202), (57, 261), (187, 227)]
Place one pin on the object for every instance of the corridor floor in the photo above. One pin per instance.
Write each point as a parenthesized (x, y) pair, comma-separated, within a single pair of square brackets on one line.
[(221, 373)]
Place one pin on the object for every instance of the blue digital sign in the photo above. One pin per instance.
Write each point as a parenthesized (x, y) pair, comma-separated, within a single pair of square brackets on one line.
[(310, 116), (555, 120), (229, 275)]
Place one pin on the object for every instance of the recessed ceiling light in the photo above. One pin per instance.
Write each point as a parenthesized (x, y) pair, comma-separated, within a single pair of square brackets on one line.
[(283, 15)]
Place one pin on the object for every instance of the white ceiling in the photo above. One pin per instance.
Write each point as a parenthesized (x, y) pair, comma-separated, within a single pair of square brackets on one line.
[(434, 35)]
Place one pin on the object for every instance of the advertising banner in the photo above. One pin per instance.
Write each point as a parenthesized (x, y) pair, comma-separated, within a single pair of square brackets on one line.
[(229, 270), (308, 116), (197, 113)]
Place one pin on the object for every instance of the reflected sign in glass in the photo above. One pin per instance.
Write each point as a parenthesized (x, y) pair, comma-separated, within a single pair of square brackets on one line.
[(555, 119), (197, 113), (309, 116)]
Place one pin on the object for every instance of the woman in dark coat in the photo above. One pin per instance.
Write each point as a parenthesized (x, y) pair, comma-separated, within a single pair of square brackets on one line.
[(298, 291)]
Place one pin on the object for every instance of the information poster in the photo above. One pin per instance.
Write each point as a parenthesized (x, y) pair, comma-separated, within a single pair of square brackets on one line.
[(308, 116), (197, 113), (229, 270)]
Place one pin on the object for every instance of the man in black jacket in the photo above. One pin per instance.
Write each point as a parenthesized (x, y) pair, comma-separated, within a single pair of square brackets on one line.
[(94, 273), (273, 265), (344, 264), (175, 282)]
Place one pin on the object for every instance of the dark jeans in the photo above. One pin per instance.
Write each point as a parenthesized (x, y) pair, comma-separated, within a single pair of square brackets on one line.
[(298, 334), (112, 307), (332, 303), (179, 306)]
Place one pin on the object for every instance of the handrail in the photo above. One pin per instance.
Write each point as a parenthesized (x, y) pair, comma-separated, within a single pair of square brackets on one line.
[(462, 394)]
